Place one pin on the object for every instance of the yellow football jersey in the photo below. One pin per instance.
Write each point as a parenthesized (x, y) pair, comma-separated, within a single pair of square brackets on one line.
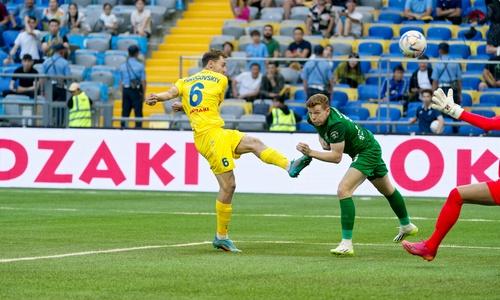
[(202, 94)]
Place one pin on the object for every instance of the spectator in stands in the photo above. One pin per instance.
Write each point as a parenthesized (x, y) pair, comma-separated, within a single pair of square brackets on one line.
[(80, 108), (241, 10), (349, 72), (53, 37), (320, 20), (447, 75), (418, 10), (247, 84), (282, 118), (74, 21), (28, 41), (22, 12), (273, 47), (53, 12), (299, 48), (450, 10), (493, 35), (133, 78), (426, 115), (260, 4), (108, 20), (421, 79), (23, 85), (491, 75), (256, 49), (349, 21), (317, 75), (394, 89), (141, 19), (233, 66), (328, 54), (288, 5), (273, 83), (57, 65)]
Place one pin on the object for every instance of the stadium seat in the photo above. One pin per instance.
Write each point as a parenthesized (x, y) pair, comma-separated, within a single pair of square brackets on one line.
[(305, 127), (494, 133), (233, 30), (96, 91), (378, 129), (124, 44), (182, 123), (234, 109), (390, 17), (470, 83), (290, 75), (298, 108), (470, 130), (260, 107), (287, 27), (393, 114), (361, 112), (366, 92), (78, 72), (77, 40), (397, 4), (115, 58), (376, 4), (97, 44), (489, 99), (254, 11), (299, 13), (370, 48), (411, 66), (407, 28), (272, 14), (466, 100), (406, 129), (342, 48), (481, 50), (484, 112), (258, 123), (284, 42), (460, 50), (87, 58), (300, 96), (438, 33), (432, 50), (104, 74), (380, 32), (476, 68), (477, 37), (365, 65), (394, 48), (9, 36), (339, 98), (219, 40)]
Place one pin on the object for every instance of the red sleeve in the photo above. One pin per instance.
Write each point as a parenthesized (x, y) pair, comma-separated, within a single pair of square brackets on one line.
[(484, 123)]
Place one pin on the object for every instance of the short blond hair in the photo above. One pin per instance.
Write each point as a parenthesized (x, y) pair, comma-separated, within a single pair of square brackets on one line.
[(318, 99)]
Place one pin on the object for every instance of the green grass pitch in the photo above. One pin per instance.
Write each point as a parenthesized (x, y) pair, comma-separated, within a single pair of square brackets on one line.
[(285, 238)]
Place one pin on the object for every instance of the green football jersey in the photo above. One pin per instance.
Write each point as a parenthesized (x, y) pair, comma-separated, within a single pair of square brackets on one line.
[(339, 128)]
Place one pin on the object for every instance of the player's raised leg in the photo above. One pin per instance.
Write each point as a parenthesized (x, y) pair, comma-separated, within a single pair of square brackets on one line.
[(397, 203), (473, 194), (349, 183), (249, 144)]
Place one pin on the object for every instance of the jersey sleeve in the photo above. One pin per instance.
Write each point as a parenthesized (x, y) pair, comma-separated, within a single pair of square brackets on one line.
[(223, 88), (336, 133), (484, 123), (179, 84)]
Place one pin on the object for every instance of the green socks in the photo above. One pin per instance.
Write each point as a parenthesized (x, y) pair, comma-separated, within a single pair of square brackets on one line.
[(347, 213), (398, 206)]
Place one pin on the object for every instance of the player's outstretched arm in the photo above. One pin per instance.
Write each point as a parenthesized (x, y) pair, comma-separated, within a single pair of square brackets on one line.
[(172, 93), (482, 122), (332, 156)]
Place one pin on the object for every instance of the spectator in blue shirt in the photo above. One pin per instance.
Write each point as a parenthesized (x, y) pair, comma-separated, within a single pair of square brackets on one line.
[(447, 75), (256, 49), (396, 86), (450, 10), (23, 11), (418, 10), (426, 115), (133, 78), (57, 65), (317, 75)]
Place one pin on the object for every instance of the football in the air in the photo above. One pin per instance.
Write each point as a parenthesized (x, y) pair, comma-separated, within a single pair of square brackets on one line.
[(413, 44)]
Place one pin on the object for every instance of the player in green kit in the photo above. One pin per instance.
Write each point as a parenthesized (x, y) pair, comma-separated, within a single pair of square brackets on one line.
[(338, 134)]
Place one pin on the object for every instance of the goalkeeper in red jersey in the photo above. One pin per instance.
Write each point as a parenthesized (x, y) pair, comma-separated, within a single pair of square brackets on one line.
[(485, 193)]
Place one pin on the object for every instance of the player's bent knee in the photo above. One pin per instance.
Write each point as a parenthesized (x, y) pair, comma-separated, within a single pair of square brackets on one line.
[(343, 192)]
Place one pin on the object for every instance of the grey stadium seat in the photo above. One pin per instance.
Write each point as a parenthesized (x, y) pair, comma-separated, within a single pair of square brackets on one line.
[(98, 44), (234, 31), (290, 75), (228, 121), (272, 14), (219, 40), (284, 42), (77, 72), (287, 27), (194, 70), (261, 107), (184, 122), (253, 12), (258, 123), (115, 58), (299, 13), (124, 44), (376, 4), (234, 110), (85, 58), (342, 49), (243, 42), (103, 74), (92, 89)]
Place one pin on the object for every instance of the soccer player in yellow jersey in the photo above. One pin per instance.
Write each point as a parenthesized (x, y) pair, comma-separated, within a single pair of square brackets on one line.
[(202, 94)]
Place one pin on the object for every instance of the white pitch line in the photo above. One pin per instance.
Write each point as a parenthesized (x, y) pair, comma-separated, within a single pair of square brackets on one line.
[(186, 213), (9, 260)]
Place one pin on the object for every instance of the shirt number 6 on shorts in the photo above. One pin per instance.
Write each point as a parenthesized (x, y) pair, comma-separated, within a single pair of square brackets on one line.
[(225, 162), (195, 94)]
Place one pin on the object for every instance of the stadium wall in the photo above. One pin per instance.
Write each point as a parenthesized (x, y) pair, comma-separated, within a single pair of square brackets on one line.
[(168, 161)]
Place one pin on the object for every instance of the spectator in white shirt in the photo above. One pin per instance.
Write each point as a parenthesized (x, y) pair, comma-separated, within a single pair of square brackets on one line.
[(247, 84), (108, 19), (420, 79), (349, 20), (28, 41), (141, 19)]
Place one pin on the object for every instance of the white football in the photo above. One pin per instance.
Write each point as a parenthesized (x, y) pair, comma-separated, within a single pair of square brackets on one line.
[(434, 126), (412, 43)]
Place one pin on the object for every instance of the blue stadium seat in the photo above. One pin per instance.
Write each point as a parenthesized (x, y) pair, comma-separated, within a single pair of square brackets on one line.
[(260, 108), (494, 133), (370, 48), (397, 4), (372, 80), (394, 62), (439, 33), (477, 37), (380, 32), (470, 130), (366, 92), (466, 100), (365, 66), (484, 112), (460, 50), (380, 129), (298, 108), (432, 50), (476, 68), (414, 105), (411, 66), (305, 127), (392, 113), (76, 40), (406, 129), (481, 50), (489, 99), (411, 112), (406, 28), (141, 41), (394, 48), (339, 98), (354, 118), (390, 17), (361, 112), (300, 95), (9, 37), (470, 83)]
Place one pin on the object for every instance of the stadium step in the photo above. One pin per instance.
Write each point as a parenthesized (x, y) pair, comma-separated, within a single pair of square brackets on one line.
[(182, 46), (187, 39), (196, 30), (201, 22), (209, 14)]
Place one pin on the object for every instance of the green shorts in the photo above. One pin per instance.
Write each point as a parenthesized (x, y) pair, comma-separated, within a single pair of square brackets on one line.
[(370, 162)]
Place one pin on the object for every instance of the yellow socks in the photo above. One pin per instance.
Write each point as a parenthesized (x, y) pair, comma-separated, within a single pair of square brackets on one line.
[(223, 218), (273, 157)]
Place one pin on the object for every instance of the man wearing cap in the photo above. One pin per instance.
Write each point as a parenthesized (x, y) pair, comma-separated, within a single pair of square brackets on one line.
[(317, 75), (447, 75), (133, 79), (23, 85), (80, 107), (57, 65)]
